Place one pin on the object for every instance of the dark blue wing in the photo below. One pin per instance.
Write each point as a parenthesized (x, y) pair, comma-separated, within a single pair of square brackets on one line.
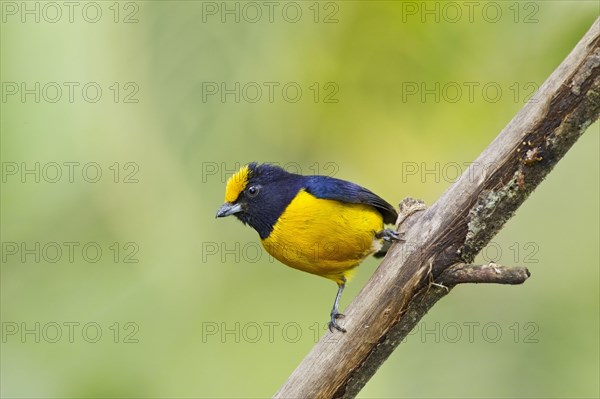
[(340, 190)]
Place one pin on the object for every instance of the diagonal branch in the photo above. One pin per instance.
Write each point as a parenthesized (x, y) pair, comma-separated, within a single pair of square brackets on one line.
[(439, 241)]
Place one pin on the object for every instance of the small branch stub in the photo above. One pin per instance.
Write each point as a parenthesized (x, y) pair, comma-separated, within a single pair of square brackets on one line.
[(490, 273)]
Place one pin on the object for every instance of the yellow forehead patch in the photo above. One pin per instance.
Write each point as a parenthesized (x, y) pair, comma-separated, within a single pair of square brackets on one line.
[(236, 184)]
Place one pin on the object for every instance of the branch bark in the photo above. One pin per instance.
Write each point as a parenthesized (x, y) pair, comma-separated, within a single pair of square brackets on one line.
[(442, 241), (490, 273)]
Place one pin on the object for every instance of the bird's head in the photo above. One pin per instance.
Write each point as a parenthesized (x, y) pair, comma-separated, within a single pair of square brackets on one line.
[(258, 194)]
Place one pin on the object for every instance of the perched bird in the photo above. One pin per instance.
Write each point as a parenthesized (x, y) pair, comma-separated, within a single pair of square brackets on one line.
[(317, 224)]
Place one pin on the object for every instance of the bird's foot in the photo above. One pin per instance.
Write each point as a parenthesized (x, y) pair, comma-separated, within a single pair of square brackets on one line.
[(389, 235), (333, 323)]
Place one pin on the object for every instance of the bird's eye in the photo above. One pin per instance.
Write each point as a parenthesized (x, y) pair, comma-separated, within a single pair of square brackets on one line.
[(253, 191)]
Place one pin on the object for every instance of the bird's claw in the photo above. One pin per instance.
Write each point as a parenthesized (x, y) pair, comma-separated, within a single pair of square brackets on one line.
[(333, 323), (389, 235)]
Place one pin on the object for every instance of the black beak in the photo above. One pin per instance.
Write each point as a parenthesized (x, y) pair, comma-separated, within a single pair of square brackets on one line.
[(228, 209)]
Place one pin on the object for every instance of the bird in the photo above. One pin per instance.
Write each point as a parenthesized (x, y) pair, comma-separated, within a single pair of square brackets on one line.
[(317, 224)]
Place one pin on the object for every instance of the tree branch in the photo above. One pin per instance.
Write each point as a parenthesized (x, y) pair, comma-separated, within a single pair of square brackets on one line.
[(441, 241), (490, 273)]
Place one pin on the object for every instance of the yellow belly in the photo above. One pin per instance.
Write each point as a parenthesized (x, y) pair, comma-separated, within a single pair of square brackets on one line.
[(324, 237)]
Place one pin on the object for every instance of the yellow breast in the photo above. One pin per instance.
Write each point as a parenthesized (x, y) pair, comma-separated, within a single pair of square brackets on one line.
[(324, 237)]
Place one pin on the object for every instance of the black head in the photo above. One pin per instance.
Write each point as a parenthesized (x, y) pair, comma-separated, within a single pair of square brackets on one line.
[(258, 194)]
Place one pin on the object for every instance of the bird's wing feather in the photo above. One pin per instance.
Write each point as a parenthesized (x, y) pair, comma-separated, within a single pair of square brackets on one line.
[(326, 187)]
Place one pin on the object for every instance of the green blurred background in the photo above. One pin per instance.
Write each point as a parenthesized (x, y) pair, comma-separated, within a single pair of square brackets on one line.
[(187, 305)]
